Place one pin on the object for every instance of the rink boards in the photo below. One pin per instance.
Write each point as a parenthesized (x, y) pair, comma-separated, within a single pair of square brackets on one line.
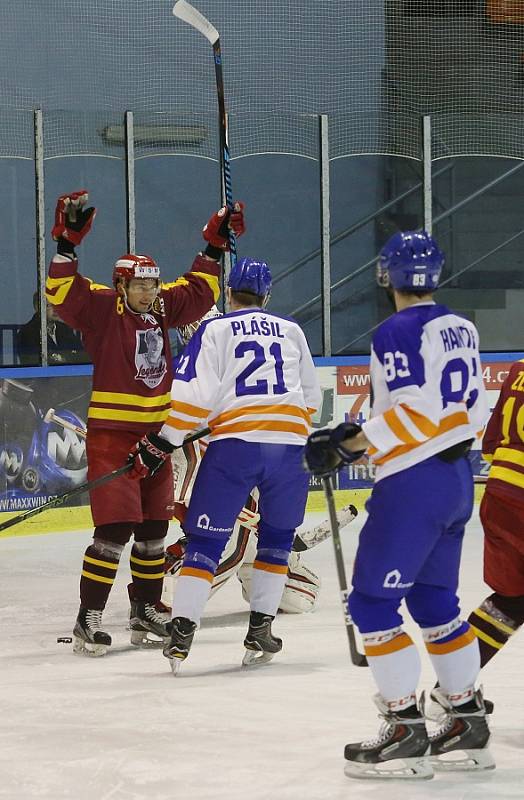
[(41, 458)]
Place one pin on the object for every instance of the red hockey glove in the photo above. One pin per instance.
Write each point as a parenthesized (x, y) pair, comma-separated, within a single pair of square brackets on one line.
[(148, 455), (174, 556), (72, 220), (216, 230)]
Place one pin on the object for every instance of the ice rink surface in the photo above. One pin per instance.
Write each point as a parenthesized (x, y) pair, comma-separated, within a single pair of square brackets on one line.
[(122, 727)]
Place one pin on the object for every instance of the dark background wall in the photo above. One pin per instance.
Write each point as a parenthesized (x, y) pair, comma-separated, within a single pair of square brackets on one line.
[(373, 66)]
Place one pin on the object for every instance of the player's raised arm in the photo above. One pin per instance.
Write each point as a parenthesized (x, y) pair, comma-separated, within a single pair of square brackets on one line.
[(66, 290), (189, 297)]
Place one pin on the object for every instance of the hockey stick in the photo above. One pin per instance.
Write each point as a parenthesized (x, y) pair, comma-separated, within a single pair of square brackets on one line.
[(52, 417), (480, 478), (86, 487), (187, 13), (310, 538), (357, 658)]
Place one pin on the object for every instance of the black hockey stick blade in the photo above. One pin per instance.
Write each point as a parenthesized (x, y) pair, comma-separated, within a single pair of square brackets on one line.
[(85, 487), (357, 658)]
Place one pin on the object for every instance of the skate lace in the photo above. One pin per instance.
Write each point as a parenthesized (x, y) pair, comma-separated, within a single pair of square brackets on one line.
[(445, 723), (441, 715), (383, 734), (153, 615), (94, 619)]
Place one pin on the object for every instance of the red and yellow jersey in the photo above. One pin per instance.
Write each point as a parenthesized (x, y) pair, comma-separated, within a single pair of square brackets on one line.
[(130, 351), (503, 442)]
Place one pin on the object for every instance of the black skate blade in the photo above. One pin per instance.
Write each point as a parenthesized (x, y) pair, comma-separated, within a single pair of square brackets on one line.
[(417, 768)]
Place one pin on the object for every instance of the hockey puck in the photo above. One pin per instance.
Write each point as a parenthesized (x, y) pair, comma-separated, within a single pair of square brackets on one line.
[(64, 640)]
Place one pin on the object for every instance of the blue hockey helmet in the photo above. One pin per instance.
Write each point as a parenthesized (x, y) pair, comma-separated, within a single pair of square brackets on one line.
[(410, 261), (250, 275)]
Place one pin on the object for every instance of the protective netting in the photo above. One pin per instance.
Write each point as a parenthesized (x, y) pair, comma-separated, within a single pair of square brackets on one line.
[(375, 64), (16, 133), (68, 133)]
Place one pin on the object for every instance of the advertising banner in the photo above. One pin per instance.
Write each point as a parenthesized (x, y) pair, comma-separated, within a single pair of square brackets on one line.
[(42, 439), (43, 421)]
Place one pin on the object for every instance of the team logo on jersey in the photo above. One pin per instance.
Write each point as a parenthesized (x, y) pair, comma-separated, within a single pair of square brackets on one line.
[(393, 581), (150, 361)]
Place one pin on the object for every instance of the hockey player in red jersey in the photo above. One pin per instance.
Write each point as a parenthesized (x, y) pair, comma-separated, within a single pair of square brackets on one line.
[(501, 614), (125, 331)]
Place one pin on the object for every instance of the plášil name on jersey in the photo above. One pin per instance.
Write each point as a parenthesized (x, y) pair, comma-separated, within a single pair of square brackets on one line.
[(256, 327)]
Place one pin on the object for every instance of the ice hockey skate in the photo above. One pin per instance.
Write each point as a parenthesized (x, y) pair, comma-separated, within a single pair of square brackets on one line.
[(400, 750), (463, 734), (88, 637), (162, 609), (148, 626), (437, 713), (178, 647), (260, 643)]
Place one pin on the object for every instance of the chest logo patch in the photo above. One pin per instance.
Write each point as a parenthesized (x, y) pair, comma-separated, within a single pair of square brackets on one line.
[(150, 360)]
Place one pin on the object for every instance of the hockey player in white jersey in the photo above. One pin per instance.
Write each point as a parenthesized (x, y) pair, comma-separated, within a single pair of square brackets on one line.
[(429, 405), (302, 587), (251, 377)]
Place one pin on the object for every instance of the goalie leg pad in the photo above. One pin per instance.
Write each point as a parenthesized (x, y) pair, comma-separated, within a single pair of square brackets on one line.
[(234, 554), (301, 589)]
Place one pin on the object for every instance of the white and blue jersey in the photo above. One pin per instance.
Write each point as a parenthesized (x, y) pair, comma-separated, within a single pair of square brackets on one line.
[(428, 391), (248, 375)]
